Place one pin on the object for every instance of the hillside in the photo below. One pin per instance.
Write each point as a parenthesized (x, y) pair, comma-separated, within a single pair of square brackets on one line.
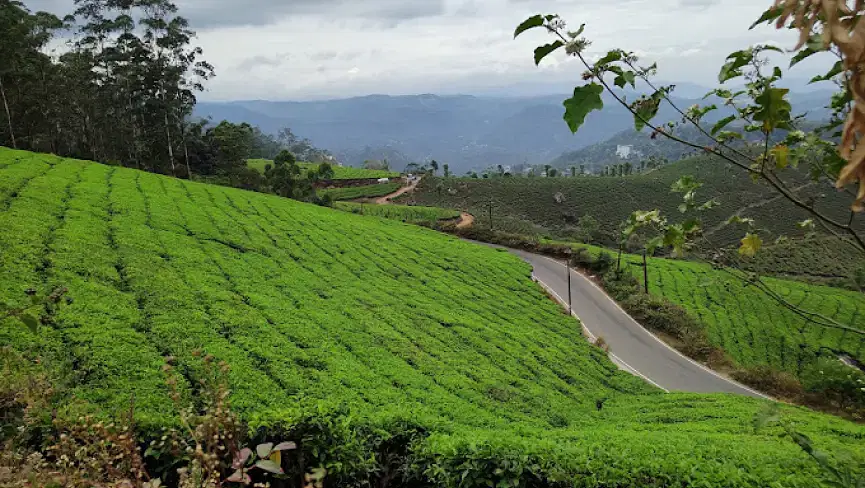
[(530, 206), (467, 132), (754, 329), (630, 146), (453, 365)]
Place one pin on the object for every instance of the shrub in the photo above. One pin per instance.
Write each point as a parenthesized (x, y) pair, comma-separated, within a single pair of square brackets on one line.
[(830, 380), (770, 380)]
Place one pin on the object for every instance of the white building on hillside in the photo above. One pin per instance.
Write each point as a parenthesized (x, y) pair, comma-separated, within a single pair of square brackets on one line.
[(623, 152)]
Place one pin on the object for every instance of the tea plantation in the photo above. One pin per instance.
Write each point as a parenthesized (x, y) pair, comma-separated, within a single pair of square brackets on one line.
[(553, 206), (754, 328), (377, 342), (365, 191), (404, 213), (340, 172)]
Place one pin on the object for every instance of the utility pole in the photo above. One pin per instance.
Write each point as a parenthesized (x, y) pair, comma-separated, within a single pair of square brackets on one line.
[(491, 213), (645, 273), (570, 300)]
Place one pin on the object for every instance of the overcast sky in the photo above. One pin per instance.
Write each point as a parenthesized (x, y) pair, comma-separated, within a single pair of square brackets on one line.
[(315, 49)]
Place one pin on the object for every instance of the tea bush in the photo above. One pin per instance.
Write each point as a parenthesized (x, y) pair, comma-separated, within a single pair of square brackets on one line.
[(392, 354)]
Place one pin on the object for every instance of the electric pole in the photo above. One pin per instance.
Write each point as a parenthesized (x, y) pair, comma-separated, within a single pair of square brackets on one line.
[(645, 273), (570, 300)]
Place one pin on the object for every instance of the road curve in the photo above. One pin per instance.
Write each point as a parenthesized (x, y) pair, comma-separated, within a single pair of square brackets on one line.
[(631, 346)]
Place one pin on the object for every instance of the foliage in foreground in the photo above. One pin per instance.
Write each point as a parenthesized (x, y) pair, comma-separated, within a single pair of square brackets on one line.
[(392, 354), (205, 450)]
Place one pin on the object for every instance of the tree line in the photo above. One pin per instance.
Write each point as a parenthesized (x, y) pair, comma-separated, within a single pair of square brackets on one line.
[(116, 82)]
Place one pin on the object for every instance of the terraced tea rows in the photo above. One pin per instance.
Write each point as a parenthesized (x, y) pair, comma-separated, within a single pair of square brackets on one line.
[(553, 206), (366, 191), (404, 213), (340, 172), (420, 336), (752, 327)]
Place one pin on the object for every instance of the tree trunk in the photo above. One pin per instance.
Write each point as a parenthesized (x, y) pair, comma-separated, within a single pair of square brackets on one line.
[(46, 98), (8, 113), (168, 138), (186, 155)]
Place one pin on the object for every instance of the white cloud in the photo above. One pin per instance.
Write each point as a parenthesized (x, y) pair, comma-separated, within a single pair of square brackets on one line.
[(302, 49)]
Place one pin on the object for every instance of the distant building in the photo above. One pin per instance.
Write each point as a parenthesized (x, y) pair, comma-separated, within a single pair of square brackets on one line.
[(623, 152)]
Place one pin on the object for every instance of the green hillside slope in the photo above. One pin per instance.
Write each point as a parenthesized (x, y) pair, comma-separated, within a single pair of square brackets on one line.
[(529, 205), (402, 213), (753, 328), (451, 361), (365, 191), (340, 172)]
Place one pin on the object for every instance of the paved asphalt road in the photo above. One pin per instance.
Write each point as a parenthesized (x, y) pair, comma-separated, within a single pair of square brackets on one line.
[(632, 347)]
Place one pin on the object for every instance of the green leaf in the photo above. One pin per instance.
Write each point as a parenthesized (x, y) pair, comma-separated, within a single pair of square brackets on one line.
[(614, 55), (586, 99), (736, 219), (31, 322), (768, 16), (709, 204), (735, 62), (770, 47), (542, 51), (802, 55), (806, 224), (654, 244), (780, 152), (729, 134), (630, 77), (836, 69), (675, 238), (773, 109), (574, 35), (624, 78), (751, 244), (645, 112), (530, 23), (722, 123)]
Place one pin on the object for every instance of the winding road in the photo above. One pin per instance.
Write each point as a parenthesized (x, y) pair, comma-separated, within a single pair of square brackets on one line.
[(632, 347)]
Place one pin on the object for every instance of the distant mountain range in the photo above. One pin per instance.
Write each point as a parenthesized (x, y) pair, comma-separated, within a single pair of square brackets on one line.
[(467, 132)]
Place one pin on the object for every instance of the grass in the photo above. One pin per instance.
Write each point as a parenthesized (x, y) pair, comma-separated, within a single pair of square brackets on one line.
[(529, 205), (753, 328), (366, 191), (433, 353), (403, 213), (340, 172)]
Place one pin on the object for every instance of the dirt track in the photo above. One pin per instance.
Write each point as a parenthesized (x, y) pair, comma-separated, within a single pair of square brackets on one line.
[(385, 200), (466, 220)]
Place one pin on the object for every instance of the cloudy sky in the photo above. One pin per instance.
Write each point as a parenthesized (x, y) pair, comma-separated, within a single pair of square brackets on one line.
[(316, 49)]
